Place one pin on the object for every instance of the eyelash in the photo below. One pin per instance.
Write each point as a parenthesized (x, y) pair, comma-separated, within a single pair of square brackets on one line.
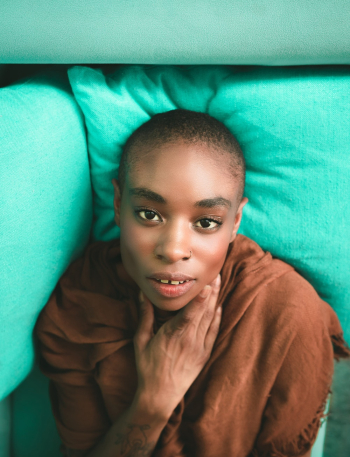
[(211, 219)]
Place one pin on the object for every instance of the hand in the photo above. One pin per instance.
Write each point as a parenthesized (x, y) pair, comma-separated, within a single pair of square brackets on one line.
[(168, 362)]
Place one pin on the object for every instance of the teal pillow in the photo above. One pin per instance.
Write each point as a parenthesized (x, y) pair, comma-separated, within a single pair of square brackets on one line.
[(293, 124), (45, 207)]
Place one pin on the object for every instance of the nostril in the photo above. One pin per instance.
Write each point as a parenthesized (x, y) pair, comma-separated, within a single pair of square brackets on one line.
[(173, 254)]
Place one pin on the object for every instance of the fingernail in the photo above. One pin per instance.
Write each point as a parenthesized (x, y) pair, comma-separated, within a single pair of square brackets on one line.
[(218, 280), (205, 291), (141, 297)]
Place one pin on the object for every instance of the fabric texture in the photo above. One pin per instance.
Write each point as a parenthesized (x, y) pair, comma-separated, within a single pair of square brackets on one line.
[(262, 392), (294, 128), (269, 32), (45, 208)]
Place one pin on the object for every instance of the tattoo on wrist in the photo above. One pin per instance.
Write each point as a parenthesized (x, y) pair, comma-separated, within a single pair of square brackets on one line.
[(134, 443)]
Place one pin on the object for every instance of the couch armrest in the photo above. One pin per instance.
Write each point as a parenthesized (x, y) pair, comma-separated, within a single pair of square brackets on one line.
[(243, 32)]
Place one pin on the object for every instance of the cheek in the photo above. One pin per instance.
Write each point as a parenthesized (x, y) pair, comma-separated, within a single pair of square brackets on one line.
[(215, 246), (136, 244), (212, 254)]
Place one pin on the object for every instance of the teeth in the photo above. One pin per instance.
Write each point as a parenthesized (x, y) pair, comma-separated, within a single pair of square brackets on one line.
[(165, 281)]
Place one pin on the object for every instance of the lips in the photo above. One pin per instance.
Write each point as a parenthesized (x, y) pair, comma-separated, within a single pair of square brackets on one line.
[(171, 290), (171, 276)]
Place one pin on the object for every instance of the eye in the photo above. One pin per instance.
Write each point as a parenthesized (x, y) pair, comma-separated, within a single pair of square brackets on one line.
[(208, 224), (148, 215)]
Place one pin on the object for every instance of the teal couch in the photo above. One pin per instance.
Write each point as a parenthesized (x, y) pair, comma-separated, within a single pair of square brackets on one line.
[(48, 39)]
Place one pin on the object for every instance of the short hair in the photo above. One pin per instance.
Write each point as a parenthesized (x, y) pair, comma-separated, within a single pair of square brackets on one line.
[(190, 127)]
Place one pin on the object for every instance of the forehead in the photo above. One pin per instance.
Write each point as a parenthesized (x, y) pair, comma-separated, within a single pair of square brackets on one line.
[(195, 168), (191, 152)]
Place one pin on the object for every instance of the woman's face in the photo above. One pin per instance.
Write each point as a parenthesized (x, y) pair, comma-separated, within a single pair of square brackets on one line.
[(177, 215)]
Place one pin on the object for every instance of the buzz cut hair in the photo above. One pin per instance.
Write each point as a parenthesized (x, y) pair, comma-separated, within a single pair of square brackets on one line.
[(191, 127)]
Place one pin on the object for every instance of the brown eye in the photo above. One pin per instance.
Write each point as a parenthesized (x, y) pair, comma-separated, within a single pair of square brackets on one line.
[(205, 223), (208, 223), (147, 214)]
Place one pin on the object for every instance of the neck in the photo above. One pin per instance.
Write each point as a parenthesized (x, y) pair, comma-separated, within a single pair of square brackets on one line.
[(161, 316)]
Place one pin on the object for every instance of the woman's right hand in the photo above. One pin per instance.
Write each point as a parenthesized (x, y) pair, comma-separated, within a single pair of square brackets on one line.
[(169, 361)]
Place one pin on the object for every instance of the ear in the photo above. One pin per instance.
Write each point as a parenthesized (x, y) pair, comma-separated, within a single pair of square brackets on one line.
[(116, 201), (238, 218)]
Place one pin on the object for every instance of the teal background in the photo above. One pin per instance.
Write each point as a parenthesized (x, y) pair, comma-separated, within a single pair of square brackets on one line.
[(264, 32), (45, 207)]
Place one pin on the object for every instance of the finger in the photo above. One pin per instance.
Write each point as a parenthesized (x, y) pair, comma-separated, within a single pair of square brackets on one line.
[(213, 331), (209, 311), (191, 313), (212, 300), (194, 311), (144, 331)]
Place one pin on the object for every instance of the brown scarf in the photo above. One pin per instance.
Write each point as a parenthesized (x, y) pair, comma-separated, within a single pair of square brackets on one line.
[(263, 391)]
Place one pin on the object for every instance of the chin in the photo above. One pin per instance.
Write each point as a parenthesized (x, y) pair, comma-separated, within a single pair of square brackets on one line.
[(169, 305)]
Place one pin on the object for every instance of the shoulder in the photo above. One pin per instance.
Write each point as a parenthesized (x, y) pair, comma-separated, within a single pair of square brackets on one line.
[(274, 280), (297, 344), (87, 297), (245, 257), (292, 293), (96, 268), (273, 290), (292, 306), (295, 331), (281, 322)]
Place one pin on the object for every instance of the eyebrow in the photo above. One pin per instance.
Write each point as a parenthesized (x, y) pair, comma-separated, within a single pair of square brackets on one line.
[(143, 192)]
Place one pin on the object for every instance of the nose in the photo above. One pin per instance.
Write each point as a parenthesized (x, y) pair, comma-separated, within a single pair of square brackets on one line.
[(174, 244)]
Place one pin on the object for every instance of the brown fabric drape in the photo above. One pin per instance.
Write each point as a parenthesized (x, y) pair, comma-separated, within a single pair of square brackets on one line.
[(263, 391)]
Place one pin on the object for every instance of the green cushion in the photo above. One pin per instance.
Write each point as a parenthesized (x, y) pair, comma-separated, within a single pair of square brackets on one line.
[(45, 207), (294, 127), (34, 432), (5, 426), (265, 32)]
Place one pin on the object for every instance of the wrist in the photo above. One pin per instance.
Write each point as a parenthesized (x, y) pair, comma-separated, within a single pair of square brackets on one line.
[(149, 409)]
